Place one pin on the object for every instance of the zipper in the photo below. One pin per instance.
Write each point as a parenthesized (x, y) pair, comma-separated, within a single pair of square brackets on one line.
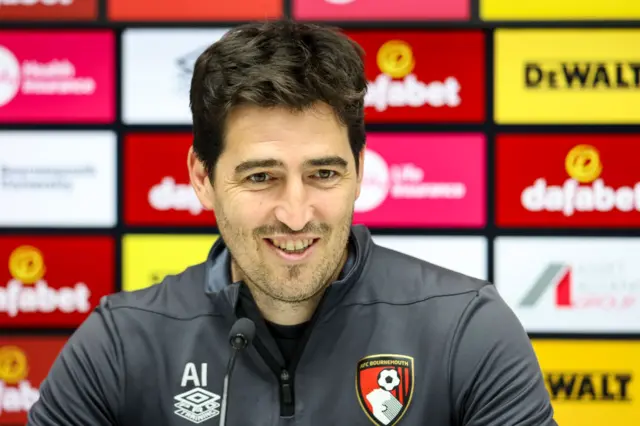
[(286, 394), (285, 374)]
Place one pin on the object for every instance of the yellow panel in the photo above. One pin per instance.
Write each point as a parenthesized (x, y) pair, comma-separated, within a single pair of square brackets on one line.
[(559, 9), (545, 58), (592, 383), (149, 258)]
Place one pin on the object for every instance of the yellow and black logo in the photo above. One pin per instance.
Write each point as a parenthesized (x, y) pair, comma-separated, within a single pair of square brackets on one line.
[(589, 386), (582, 75)]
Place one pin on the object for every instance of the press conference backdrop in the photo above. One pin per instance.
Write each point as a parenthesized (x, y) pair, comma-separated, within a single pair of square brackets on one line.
[(503, 143)]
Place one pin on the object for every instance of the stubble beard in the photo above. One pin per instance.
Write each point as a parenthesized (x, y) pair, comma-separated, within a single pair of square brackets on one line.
[(262, 280)]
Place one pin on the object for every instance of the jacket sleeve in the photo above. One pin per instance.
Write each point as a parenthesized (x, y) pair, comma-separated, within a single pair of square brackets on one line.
[(84, 386), (496, 379)]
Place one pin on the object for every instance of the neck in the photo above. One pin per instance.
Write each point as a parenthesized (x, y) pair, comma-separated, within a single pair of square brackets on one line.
[(285, 313)]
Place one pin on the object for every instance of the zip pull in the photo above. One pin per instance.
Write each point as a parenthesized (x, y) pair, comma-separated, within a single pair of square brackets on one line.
[(285, 387)]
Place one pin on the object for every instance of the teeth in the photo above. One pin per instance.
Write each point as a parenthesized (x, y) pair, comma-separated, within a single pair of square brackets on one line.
[(291, 245)]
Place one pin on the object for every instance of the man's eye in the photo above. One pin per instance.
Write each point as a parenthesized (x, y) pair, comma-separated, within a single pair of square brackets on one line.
[(258, 178), (325, 174)]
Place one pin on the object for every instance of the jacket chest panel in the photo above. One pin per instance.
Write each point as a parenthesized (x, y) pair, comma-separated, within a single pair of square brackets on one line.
[(373, 372), (180, 382)]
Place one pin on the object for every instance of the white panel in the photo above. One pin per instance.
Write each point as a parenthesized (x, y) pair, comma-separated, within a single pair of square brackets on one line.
[(157, 65), (57, 179), (467, 255), (572, 284)]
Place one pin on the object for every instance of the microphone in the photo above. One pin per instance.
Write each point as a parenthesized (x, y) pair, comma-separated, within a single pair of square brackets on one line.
[(240, 336)]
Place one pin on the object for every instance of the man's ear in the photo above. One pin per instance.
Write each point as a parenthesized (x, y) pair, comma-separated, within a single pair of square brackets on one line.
[(360, 171), (200, 180)]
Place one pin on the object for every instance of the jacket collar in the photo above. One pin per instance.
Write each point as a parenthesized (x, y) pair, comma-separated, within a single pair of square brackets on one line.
[(220, 288)]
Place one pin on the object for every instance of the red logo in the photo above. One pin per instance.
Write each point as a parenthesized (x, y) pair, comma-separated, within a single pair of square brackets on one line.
[(190, 10), (157, 188), (57, 77), (53, 281), (50, 10), (24, 363), (406, 175), (590, 285), (384, 384), (417, 76), (568, 180)]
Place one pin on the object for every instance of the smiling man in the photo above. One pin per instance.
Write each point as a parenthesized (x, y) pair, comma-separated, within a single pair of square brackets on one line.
[(346, 332)]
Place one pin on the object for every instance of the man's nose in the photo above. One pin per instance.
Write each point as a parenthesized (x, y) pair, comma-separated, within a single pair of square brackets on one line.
[(294, 209)]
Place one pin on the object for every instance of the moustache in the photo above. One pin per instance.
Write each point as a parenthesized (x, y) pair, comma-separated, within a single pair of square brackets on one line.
[(282, 229)]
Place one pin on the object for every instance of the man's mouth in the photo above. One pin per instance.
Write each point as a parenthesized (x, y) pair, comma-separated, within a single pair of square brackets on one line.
[(292, 246), (292, 249)]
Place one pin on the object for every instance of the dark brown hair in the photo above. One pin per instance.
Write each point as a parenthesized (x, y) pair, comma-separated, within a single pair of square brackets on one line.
[(276, 63)]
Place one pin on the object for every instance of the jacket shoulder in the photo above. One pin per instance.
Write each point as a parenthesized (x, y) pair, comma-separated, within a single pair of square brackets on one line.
[(395, 277), (181, 296)]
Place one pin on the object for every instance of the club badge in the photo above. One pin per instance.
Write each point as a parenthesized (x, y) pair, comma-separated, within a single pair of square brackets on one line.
[(384, 384)]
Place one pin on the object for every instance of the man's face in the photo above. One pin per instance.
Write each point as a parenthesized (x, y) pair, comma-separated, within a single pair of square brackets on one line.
[(283, 193)]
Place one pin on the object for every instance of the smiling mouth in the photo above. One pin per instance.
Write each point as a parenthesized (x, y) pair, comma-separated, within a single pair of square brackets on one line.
[(292, 246)]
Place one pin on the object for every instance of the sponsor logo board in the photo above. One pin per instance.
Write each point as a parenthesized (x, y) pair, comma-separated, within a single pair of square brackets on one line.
[(49, 10), (567, 76), (57, 179), (380, 9), (418, 76), (193, 10), (467, 255), (157, 188), (416, 180), (25, 361), (591, 383), (53, 281), (567, 180), (57, 77), (157, 67), (572, 285), (147, 259), (554, 10)]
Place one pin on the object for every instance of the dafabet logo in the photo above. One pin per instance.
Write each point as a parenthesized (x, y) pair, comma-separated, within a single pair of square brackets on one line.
[(24, 363), (17, 394), (193, 10), (48, 10), (567, 76), (423, 76), (157, 188), (568, 180), (54, 282)]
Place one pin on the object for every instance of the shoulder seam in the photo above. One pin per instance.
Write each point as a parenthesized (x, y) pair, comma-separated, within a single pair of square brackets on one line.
[(451, 348), (413, 302), (211, 314), (107, 318)]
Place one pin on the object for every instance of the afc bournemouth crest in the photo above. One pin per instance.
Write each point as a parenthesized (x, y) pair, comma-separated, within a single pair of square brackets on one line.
[(384, 384)]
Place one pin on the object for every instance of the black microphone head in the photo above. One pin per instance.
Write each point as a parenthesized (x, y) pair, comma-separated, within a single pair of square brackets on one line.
[(242, 333)]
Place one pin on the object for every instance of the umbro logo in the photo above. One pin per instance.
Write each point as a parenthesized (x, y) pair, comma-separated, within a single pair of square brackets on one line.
[(197, 404)]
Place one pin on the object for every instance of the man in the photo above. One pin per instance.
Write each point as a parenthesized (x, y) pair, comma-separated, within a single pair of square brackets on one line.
[(347, 332)]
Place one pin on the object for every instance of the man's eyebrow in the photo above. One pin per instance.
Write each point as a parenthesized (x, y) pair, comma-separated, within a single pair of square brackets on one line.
[(328, 161), (245, 166)]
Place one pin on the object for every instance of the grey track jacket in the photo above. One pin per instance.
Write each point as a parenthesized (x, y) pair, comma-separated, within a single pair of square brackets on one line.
[(395, 341)]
